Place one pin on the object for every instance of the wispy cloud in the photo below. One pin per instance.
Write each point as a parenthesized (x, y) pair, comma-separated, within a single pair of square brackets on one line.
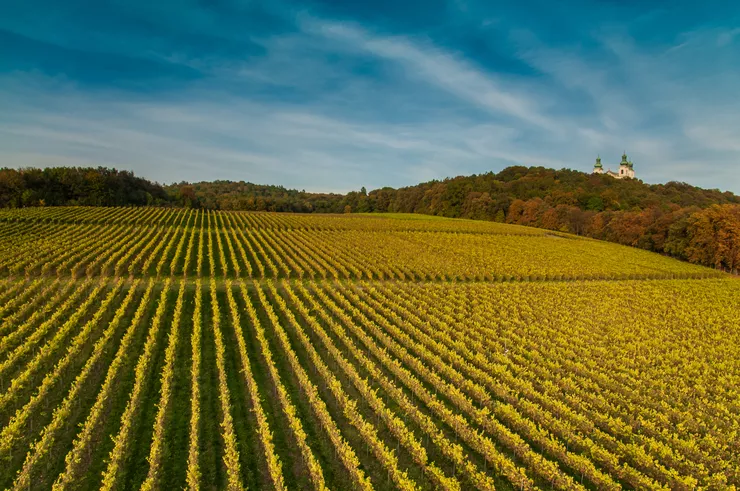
[(727, 36), (257, 142), (428, 64), (677, 124)]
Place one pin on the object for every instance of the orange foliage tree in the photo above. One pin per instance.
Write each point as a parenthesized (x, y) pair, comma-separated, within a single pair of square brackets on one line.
[(715, 237)]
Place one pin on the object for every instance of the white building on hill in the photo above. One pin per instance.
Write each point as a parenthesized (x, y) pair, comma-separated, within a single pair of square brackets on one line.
[(626, 169)]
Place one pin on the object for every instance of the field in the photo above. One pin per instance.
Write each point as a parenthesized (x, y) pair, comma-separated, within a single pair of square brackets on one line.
[(169, 349)]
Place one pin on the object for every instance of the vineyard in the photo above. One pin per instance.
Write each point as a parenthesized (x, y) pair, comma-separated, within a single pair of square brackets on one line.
[(166, 349)]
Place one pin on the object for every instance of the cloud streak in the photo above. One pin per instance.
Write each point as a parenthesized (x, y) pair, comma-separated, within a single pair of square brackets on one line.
[(430, 65)]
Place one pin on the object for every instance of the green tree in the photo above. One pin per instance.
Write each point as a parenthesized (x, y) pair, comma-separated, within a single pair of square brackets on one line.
[(595, 203)]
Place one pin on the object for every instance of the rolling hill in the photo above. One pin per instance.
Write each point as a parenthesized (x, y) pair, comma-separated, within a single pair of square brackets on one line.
[(676, 219), (171, 348)]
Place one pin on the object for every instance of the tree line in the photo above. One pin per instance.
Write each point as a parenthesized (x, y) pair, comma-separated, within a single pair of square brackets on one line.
[(690, 223), (77, 186)]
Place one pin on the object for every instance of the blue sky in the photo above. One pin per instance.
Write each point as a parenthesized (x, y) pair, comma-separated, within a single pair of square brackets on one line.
[(335, 95)]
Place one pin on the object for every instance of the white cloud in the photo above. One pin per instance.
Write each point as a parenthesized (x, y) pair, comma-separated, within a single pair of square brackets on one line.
[(717, 136), (726, 37), (237, 139), (670, 107), (433, 66)]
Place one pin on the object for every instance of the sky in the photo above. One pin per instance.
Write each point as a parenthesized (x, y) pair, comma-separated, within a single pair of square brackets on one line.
[(334, 95)]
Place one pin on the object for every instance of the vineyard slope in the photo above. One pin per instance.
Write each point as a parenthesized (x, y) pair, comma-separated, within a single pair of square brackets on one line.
[(166, 349)]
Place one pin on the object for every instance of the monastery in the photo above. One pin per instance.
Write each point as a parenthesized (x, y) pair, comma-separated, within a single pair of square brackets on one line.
[(626, 169)]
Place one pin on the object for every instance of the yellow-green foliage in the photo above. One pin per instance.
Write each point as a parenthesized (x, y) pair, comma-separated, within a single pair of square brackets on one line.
[(158, 242), (356, 352)]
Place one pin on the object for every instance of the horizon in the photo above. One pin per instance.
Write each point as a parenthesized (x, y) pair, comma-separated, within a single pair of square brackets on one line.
[(331, 97), (440, 179), (368, 190)]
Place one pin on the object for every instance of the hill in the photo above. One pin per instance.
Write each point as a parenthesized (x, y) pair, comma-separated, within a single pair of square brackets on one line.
[(173, 348), (686, 222), (483, 196), (677, 219)]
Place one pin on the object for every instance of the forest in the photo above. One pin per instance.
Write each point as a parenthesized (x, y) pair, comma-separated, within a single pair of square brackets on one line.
[(690, 223)]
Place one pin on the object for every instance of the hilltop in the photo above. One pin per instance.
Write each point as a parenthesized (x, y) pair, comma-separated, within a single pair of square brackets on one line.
[(482, 196)]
